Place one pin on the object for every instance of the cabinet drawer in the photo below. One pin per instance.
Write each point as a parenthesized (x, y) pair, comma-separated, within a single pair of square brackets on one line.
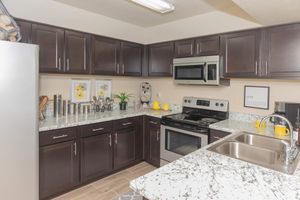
[(125, 123), (57, 136), (95, 129), (153, 121), (216, 135)]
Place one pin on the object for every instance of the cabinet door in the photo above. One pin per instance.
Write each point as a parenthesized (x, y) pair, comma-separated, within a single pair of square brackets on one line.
[(215, 135), (58, 168), (76, 52), (50, 40), (161, 59), (240, 52), (282, 51), (25, 29), (124, 147), (105, 56), (184, 48), (96, 156), (152, 141), (132, 57), (208, 46)]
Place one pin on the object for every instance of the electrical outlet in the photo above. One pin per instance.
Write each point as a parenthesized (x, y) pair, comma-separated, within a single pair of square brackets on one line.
[(158, 95)]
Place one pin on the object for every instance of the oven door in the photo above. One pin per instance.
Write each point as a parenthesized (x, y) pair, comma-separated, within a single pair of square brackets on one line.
[(176, 143), (190, 73)]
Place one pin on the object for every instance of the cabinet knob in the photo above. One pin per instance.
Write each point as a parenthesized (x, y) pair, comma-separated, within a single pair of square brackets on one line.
[(157, 135), (109, 137)]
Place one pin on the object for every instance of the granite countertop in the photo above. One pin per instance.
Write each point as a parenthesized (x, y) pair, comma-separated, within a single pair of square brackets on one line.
[(52, 123), (207, 175)]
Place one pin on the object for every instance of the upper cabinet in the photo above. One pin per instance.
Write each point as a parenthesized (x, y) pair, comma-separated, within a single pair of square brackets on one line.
[(105, 56), (25, 29), (203, 46), (282, 52), (77, 46), (161, 59), (131, 59), (206, 46), (240, 53), (51, 41), (184, 48), (112, 57)]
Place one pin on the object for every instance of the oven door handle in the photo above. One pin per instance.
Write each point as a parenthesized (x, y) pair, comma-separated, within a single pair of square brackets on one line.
[(204, 72)]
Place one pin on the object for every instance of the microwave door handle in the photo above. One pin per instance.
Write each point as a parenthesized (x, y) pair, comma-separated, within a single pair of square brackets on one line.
[(204, 72)]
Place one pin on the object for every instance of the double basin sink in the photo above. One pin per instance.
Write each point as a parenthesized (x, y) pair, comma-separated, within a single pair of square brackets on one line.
[(257, 149)]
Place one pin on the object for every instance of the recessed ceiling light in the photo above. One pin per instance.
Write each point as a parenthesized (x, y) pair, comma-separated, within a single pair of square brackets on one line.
[(161, 6)]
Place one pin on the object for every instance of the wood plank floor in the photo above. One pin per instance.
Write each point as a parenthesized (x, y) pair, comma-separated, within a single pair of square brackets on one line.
[(111, 187)]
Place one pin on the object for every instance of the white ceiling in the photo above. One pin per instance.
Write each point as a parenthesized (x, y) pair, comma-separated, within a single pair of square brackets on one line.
[(130, 12), (269, 12)]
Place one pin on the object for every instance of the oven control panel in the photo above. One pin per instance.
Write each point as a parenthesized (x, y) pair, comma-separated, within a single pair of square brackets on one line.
[(209, 104)]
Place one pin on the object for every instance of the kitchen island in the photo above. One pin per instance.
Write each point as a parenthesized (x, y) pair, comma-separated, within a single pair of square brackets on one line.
[(207, 175)]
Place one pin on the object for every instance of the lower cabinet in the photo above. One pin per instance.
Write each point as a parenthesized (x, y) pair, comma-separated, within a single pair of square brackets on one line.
[(124, 147), (59, 162), (215, 135), (96, 156), (152, 140)]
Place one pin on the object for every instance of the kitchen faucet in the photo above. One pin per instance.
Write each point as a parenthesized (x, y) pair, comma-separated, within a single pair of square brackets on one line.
[(290, 151)]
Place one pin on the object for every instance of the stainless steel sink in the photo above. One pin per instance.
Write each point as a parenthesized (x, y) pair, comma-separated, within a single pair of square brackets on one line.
[(260, 150)]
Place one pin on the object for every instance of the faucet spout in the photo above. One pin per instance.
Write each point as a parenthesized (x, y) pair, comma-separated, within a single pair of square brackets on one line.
[(291, 148)]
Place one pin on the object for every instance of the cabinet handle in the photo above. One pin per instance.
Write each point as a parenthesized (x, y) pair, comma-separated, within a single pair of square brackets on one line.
[(192, 50), (118, 68), (266, 67), (256, 69), (216, 137), (157, 135), (59, 137), (126, 124), (171, 68), (75, 148), (97, 129), (109, 136), (152, 122), (197, 48), (123, 68), (68, 64), (116, 138), (59, 64)]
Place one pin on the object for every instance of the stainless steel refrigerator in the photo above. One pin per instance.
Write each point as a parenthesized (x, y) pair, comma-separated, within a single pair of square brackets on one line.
[(19, 121)]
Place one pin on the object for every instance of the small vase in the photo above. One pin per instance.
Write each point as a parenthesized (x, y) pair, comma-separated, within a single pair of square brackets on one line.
[(123, 105)]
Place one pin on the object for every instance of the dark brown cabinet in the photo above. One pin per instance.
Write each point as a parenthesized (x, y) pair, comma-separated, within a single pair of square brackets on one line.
[(131, 59), (184, 48), (77, 46), (282, 52), (124, 147), (215, 135), (25, 29), (59, 163), (240, 52), (51, 41), (160, 57), (206, 46), (152, 140), (96, 151), (96, 156), (105, 56)]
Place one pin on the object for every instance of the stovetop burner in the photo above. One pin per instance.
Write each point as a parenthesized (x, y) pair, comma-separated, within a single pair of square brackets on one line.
[(192, 119)]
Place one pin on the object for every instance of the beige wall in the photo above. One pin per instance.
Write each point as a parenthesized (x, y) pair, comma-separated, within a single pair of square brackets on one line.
[(172, 93), (55, 13)]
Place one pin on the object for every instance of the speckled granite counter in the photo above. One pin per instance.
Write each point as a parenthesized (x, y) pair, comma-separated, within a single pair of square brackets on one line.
[(52, 123), (207, 175)]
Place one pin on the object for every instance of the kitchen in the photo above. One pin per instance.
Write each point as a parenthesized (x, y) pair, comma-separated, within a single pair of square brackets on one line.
[(86, 154)]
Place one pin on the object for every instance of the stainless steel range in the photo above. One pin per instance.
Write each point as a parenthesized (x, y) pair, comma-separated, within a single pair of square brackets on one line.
[(188, 131)]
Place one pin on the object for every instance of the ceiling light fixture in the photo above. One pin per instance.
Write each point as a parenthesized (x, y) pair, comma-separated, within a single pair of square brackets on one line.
[(161, 6)]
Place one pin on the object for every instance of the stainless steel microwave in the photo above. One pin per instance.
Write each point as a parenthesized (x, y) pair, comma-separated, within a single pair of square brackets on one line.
[(202, 70)]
